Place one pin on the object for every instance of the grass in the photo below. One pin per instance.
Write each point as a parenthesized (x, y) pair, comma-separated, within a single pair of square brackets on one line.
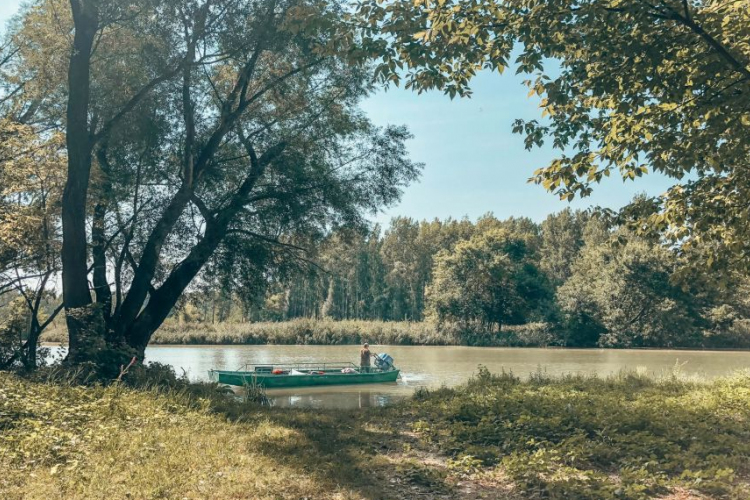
[(590, 438), (497, 437), (75, 442), (329, 332)]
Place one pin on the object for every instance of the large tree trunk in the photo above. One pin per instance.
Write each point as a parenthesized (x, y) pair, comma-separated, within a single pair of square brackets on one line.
[(95, 333), (76, 296), (161, 301)]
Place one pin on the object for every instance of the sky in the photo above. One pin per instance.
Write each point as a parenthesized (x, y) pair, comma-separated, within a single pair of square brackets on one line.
[(473, 163)]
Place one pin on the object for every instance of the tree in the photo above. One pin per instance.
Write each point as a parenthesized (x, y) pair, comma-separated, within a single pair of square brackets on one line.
[(404, 285), (30, 187), (31, 176), (562, 239), (624, 295), (488, 280), (199, 128), (727, 316), (625, 86)]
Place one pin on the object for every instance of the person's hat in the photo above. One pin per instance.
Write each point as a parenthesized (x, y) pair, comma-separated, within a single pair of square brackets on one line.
[(367, 345)]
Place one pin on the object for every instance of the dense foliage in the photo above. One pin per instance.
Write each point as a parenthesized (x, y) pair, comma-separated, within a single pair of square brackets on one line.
[(491, 279), (591, 283), (625, 86), (216, 128), (626, 437)]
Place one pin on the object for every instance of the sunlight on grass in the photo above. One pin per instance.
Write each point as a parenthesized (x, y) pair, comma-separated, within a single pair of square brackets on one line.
[(72, 442), (623, 437)]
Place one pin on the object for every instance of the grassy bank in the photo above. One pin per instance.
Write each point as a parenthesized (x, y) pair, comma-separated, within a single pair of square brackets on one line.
[(496, 438), (328, 332)]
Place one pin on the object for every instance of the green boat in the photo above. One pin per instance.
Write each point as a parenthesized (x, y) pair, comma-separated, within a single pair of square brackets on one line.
[(305, 375)]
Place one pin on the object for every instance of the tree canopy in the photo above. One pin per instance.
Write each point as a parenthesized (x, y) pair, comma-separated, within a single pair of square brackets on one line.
[(626, 87), (199, 134), (491, 278)]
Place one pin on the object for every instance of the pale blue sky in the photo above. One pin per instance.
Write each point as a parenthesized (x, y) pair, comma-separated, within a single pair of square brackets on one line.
[(473, 163)]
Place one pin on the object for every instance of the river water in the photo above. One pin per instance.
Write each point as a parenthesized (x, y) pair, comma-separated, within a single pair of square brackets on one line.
[(435, 366)]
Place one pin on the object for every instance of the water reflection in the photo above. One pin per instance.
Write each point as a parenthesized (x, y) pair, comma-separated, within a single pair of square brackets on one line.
[(363, 398), (436, 366)]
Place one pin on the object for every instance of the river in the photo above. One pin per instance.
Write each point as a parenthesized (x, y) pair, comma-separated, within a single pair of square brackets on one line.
[(436, 366)]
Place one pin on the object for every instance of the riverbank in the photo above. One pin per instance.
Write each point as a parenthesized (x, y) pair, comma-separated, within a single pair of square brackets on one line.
[(329, 332), (627, 437)]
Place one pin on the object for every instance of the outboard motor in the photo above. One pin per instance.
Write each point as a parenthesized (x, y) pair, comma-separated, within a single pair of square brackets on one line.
[(384, 362)]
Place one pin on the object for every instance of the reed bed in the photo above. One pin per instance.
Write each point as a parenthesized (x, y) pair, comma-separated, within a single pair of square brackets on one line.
[(329, 332)]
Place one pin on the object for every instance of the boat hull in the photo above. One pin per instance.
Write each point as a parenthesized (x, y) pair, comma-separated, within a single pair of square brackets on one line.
[(270, 381)]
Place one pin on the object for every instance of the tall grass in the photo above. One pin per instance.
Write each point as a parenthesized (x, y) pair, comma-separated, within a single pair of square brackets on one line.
[(329, 332), (62, 441), (627, 437), (589, 438)]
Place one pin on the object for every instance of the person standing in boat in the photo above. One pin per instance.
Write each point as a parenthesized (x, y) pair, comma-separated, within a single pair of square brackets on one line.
[(364, 358)]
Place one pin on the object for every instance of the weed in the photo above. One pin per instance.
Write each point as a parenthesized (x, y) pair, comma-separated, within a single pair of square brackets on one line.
[(626, 437)]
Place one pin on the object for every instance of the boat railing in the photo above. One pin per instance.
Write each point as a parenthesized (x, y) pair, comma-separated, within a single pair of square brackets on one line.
[(334, 365)]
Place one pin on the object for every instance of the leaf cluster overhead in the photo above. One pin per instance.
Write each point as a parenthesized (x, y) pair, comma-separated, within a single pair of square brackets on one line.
[(625, 87)]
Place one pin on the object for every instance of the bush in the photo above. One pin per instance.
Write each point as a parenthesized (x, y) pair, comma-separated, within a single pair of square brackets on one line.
[(13, 322)]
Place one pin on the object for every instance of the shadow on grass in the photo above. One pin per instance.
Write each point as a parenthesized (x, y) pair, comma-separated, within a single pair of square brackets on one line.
[(345, 451)]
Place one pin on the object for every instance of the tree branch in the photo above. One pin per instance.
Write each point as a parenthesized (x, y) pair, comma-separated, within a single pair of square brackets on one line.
[(720, 49), (267, 239), (134, 101), (51, 317)]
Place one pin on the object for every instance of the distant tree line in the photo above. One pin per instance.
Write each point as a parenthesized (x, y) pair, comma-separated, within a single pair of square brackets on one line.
[(592, 282)]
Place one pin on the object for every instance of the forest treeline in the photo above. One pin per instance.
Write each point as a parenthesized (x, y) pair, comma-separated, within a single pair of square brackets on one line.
[(590, 282)]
